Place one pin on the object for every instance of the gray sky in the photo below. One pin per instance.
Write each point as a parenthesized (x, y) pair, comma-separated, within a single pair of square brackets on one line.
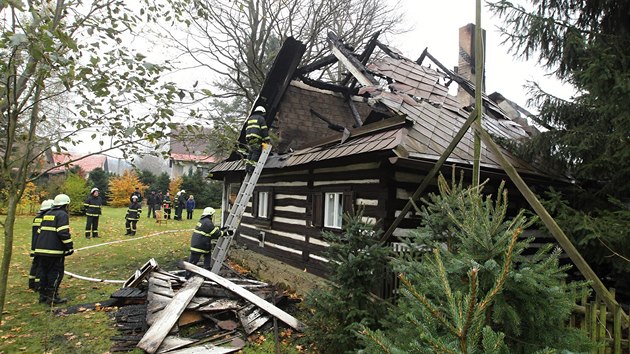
[(436, 24)]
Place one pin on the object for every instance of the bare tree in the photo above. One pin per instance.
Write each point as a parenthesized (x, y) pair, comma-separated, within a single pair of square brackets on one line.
[(64, 69), (233, 43)]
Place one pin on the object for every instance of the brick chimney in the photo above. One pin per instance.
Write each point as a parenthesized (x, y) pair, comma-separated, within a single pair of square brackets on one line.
[(466, 61)]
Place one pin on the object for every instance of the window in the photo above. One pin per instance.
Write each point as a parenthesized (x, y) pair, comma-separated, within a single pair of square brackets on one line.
[(263, 205), (333, 210)]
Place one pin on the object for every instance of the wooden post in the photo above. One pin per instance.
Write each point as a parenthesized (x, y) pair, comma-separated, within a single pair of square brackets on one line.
[(583, 324), (550, 223), (602, 328), (479, 57), (593, 329), (617, 330)]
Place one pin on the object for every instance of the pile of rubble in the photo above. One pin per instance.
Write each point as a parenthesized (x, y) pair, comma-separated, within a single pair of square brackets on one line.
[(163, 312)]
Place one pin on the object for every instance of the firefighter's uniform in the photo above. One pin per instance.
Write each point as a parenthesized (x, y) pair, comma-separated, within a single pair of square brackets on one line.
[(53, 244), (33, 280), (256, 133), (166, 205), (92, 207), (200, 240), (132, 217)]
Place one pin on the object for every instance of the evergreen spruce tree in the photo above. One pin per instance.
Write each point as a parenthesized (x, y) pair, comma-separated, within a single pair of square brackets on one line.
[(586, 44), (467, 287), (357, 263)]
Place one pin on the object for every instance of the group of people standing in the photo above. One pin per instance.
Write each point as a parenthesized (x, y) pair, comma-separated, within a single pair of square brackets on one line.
[(157, 201)]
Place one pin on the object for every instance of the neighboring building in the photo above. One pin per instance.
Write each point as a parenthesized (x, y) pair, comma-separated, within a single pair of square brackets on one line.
[(189, 152), (342, 147), (87, 164)]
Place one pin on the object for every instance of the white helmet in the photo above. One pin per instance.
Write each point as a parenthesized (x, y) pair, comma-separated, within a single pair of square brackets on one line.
[(183, 191), (208, 211), (260, 109), (134, 197), (46, 204), (94, 190), (61, 199)]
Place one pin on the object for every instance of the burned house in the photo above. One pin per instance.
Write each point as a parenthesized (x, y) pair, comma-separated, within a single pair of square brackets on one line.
[(365, 141)]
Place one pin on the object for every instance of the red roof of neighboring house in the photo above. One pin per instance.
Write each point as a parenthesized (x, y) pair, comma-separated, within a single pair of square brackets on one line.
[(87, 164), (193, 158)]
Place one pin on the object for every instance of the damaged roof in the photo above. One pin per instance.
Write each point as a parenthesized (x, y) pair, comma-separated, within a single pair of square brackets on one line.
[(418, 118)]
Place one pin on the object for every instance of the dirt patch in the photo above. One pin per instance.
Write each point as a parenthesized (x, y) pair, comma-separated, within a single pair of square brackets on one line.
[(273, 271)]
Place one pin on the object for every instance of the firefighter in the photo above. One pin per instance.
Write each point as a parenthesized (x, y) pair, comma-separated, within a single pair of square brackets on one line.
[(33, 281), (200, 240), (133, 215), (53, 245), (92, 207), (256, 133), (180, 204), (166, 204)]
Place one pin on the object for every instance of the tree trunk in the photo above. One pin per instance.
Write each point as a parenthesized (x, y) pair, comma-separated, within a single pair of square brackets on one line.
[(9, 223)]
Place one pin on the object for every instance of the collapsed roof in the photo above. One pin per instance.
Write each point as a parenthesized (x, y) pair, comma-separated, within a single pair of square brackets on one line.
[(393, 104)]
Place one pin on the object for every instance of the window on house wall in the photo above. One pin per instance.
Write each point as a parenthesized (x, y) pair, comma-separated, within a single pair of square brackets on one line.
[(263, 205), (333, 210)]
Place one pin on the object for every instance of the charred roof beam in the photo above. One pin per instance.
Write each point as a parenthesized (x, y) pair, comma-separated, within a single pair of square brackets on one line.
[(364, 57), (327, 86), (347, 58), (316, 65)]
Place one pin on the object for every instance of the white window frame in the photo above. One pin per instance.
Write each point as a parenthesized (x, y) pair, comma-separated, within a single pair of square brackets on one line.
[(333, 210), (263, 204)]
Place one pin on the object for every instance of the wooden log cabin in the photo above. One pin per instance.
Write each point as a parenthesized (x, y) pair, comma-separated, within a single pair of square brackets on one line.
[(367, 141)]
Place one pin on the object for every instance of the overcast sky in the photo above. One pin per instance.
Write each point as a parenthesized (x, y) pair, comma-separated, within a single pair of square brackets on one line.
[(435, 26)]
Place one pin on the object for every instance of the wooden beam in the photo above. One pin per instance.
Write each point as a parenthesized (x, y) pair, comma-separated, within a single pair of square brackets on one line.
[(246, 294), (152, 339), (429, 177), (551, 224), (356, 68)]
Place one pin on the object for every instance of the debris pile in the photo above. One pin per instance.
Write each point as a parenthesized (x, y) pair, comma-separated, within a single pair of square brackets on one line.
[(160, 311)]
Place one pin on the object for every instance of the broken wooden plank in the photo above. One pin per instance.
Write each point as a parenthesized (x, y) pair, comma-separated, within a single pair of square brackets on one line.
[(207, 349), (252, 318), (246, 294), (139, 276), (189, 317), (169, 316), (220, 305), (174, 342)]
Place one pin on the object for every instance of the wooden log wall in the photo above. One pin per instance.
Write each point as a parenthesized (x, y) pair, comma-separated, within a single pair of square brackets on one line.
[(289, 233)]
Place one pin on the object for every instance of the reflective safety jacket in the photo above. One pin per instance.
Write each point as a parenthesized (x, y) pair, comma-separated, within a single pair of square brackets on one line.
[(204, 232), (134, 211), (166, 202), (92, 205), (37, 223), (54, 236), (256, 131)]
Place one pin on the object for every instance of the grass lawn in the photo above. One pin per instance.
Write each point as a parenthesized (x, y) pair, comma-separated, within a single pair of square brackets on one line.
[(30, 327)]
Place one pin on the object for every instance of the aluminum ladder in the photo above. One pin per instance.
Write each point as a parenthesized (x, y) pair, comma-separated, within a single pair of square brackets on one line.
[(236, 213)]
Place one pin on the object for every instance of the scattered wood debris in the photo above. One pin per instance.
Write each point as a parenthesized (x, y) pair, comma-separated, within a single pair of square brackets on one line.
[(162, 311)]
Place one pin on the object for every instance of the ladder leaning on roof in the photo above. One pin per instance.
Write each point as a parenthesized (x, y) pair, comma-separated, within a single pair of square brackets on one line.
[(236, 213)]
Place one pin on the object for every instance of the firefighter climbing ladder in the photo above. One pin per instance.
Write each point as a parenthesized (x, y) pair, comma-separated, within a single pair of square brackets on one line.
[(236, 213)]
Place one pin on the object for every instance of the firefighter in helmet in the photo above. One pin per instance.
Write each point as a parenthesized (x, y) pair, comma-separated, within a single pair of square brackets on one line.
[(53, 245), (92, 208), (256, 133)]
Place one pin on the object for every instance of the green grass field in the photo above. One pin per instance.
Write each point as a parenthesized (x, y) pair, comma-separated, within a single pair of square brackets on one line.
[(30, 327)]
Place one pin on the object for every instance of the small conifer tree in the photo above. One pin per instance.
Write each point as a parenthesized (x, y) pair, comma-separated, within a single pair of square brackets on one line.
[(357, 261), (475, 291)]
